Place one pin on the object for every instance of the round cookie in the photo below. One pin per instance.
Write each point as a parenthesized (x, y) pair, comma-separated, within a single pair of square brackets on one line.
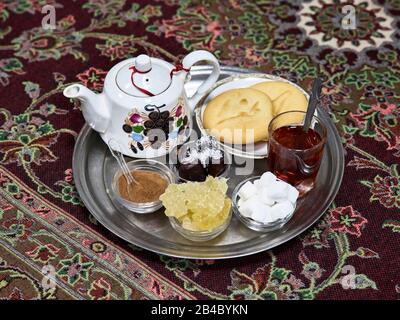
[(239, 116), (284, 96)]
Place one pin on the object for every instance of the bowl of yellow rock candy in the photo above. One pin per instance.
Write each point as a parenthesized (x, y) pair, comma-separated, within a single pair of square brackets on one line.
[(199, 211)]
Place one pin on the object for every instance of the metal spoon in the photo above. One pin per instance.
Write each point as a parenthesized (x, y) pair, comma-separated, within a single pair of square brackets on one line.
[(114, 147), (312, 103), (304, 168)]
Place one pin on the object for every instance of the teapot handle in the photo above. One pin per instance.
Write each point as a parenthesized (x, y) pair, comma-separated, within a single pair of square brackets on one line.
[(191, 59)]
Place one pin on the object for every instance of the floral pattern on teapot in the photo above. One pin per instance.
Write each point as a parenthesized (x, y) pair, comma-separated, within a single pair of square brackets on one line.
[(157, 128)]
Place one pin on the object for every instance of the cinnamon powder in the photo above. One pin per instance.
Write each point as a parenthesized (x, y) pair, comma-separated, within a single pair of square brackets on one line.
[(151, 186)]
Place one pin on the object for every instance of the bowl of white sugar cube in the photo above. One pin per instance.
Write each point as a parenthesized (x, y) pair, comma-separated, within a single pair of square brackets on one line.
[(264, 203)]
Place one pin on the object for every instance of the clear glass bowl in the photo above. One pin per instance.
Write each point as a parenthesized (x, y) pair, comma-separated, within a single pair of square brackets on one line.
[(148, 165), (199, 236), (253, 224), (182, 148)]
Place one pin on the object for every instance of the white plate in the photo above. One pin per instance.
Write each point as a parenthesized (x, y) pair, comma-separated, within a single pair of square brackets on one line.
[(258, 150)]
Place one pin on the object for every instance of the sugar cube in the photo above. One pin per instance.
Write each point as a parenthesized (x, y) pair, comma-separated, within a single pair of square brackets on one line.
[(268, 219), (293, 194), (282, 209), (247, 190), (260, 211), (267, 179), (278, 191), (264, 197), (245, 207)]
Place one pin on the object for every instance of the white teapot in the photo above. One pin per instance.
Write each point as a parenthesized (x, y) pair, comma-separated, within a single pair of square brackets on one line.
[(144, 105)]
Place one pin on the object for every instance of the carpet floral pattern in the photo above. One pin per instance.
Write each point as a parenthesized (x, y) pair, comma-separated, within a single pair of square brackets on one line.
[(47, 235)]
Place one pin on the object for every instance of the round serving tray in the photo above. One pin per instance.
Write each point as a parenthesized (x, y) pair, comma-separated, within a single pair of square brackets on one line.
[(93, 168)]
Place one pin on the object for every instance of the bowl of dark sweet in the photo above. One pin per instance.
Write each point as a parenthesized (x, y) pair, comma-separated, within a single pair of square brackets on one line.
[(201, 158)]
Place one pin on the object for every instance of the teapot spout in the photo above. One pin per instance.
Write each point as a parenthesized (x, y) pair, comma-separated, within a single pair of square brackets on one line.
[(94, 109)]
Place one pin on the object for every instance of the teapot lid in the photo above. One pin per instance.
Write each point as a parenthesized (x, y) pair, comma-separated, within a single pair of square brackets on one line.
[(145, 77)]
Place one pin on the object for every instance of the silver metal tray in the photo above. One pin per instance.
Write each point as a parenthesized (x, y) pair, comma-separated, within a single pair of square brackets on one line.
[(93, 167)]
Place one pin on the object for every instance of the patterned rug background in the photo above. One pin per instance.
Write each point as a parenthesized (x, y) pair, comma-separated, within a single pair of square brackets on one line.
[(43, 222)]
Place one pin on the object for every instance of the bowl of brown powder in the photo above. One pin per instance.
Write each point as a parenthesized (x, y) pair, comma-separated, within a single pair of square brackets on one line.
[(151, 179)]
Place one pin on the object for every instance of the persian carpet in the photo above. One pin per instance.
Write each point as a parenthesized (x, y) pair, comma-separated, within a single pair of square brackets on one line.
[(45, 231)]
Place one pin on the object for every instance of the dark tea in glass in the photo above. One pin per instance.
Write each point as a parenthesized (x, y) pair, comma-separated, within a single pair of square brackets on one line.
[(294, 155)]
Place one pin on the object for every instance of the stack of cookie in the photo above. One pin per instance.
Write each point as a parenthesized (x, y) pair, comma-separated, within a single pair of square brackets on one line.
[(242, 116)]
